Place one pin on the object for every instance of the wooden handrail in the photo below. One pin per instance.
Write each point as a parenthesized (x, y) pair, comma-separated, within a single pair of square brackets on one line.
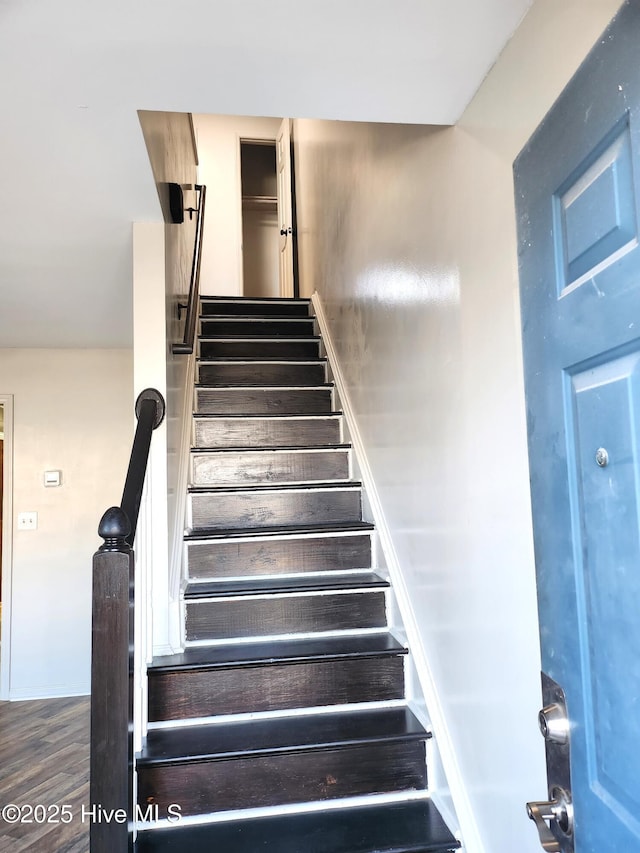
[(112, 642), (150, 410), (188, 340)]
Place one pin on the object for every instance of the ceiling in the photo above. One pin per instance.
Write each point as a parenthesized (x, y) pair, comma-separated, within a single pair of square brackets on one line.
[(73, 73)]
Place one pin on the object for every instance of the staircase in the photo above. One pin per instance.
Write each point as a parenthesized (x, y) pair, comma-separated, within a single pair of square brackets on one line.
[(283, 726)]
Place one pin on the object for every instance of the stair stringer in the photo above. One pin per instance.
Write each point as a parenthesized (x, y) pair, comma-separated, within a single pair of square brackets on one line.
[(451, 797), (177, 567)]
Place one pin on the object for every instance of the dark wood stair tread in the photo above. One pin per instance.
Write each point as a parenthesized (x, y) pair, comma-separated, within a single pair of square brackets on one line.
[(279, 652), (219, 306), (260, 339), (296, 529), (228, 371), (255, 300), (289, 387), (312, 416), (260, 585), (284, 347), (260, 318), (247, 359), (409, 827), (260, 307), (312, 486), (272, 448), (280, 734)]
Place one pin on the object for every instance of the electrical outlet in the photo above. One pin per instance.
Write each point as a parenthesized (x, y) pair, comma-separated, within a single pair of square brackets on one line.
[(27, 521)]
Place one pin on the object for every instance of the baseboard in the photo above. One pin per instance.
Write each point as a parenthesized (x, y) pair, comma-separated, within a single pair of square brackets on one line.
[(465, 817), (56, 691), (162, 650)]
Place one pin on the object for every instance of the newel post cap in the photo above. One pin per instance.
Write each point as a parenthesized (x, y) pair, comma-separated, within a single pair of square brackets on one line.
[(114, 528)]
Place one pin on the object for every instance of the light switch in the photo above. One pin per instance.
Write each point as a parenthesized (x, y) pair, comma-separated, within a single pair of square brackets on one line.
[(53, 478), (27, 521)]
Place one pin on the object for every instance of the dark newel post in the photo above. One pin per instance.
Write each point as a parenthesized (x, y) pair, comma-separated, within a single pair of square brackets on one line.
[(111, 781), (112, 761)]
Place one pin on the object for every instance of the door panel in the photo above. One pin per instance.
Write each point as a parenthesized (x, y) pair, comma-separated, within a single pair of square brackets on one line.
[(595, 211), (607, 502), (577, 198)]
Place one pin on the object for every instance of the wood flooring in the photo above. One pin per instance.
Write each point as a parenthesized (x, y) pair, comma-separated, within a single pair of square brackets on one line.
[(44, 760)]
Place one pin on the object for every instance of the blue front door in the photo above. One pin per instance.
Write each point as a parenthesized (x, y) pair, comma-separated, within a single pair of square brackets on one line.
[(577, 195)]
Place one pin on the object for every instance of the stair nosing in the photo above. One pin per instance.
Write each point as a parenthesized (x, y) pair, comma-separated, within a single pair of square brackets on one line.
[(282, 586), (212, 534), (270, 660), (279, 448), (269, 300), (258, 359), (317, 386), (313, 416), (257, 318), (243, 359), (414, 731), (321, 574), (260, 339), (304, 486)]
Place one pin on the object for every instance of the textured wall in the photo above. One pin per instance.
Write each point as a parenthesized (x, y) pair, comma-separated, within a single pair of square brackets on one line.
[(408, 233)]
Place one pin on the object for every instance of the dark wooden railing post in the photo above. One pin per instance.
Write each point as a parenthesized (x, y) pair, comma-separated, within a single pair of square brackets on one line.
[(111, 806), (111, 766)]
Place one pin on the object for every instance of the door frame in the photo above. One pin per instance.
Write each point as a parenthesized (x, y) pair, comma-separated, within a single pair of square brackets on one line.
[(286, 207), (6, 400)]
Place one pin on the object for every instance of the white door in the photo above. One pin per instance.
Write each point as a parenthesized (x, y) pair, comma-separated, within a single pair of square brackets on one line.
[(285, 207)]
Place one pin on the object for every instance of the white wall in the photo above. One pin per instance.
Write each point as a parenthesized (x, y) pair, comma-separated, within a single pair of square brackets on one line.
[(408, 233), (162, 270), (218, 143), (150, 371), (72, 411)]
